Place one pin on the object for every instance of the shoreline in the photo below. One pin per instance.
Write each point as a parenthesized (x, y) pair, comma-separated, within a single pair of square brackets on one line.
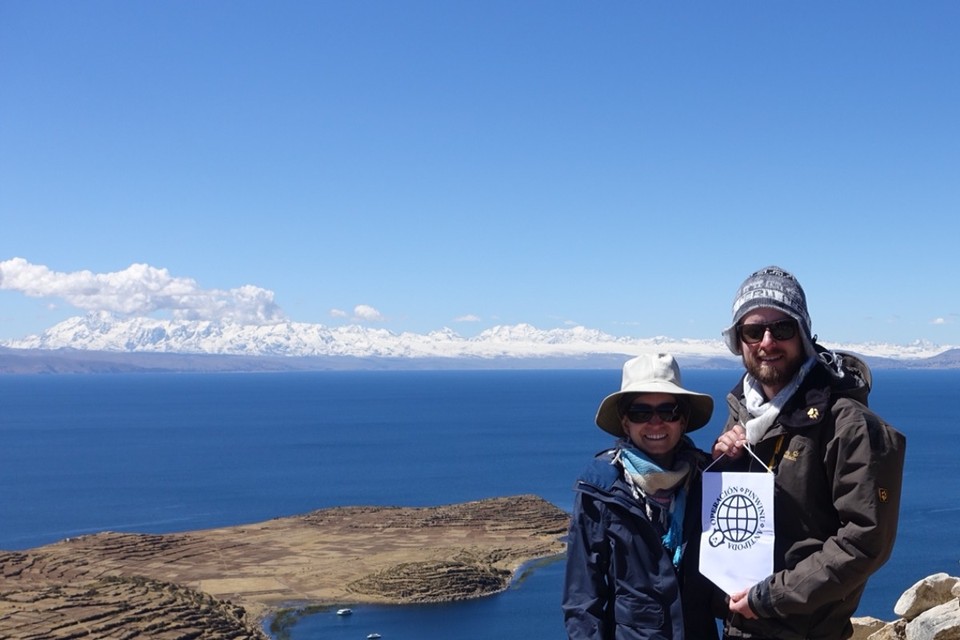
[(232, 579), (280, 620)]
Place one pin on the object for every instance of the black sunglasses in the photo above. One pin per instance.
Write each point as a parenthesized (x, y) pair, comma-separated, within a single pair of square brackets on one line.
[(640, 413), (780, 330)]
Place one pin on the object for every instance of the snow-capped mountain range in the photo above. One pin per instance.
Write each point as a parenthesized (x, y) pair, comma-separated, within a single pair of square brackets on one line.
[(108, 333)]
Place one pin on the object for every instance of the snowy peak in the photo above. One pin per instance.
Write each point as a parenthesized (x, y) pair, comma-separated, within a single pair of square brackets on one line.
[(104, 332), (109, 333)]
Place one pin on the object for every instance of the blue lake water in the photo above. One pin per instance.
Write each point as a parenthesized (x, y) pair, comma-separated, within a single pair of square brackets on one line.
[(172, 452)]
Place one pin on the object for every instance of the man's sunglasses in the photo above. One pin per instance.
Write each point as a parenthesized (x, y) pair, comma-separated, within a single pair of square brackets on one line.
[(780, 330), (640, 413)]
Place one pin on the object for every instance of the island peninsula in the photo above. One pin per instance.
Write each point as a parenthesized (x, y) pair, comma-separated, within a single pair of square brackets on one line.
[(222, 583)]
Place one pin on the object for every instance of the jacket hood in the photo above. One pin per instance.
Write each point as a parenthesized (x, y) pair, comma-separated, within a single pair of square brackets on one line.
[(852, 376)]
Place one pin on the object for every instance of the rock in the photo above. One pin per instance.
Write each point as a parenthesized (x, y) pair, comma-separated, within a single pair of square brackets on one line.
[(896, 630), (926, 594), (939, 623), (864, 627)]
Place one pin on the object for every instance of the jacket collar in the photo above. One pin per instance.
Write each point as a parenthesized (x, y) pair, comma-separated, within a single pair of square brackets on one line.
[(811, 402)]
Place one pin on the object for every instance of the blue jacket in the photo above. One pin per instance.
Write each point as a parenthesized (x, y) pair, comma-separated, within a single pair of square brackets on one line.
[(620, 582)]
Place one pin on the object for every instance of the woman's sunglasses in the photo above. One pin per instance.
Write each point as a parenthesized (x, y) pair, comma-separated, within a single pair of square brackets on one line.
[(640, 413), (780, 330)]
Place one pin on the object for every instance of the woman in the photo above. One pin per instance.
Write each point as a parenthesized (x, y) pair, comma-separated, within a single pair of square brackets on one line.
[(634, 534)]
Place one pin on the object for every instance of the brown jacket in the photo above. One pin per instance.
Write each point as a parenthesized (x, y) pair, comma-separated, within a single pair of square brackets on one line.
[(839, 469)]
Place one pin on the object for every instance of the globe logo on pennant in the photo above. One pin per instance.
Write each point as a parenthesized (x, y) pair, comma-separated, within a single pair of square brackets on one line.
[(736, 519)]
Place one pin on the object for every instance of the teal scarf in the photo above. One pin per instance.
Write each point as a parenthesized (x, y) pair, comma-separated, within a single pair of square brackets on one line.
[(664, 488)]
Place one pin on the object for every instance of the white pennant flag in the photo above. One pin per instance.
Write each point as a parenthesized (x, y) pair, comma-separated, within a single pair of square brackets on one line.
[(736, 546)]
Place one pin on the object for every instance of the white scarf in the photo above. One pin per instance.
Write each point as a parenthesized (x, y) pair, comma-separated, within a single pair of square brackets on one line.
[(765, 412)]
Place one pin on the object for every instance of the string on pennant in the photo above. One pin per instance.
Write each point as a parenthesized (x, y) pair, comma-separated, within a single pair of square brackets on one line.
[(749, 448)]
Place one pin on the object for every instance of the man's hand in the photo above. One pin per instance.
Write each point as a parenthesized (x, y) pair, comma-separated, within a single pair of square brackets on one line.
[(740, 603), (731, 442)]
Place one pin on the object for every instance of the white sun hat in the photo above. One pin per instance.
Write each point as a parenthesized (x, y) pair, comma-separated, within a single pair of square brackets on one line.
[(653, 373)]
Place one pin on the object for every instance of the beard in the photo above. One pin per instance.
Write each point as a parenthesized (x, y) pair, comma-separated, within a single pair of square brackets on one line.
[(773, 374)]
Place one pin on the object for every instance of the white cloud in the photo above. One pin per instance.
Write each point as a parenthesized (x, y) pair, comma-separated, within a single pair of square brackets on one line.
[(939, 321), (338, 313), (140, 290), (366, 312), (467, 318)]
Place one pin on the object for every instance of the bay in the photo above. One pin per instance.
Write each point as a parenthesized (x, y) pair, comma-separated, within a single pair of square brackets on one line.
[(158, 453)]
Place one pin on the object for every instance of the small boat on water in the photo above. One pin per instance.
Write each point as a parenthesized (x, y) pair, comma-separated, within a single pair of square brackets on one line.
[(373, 636), (344, 612)]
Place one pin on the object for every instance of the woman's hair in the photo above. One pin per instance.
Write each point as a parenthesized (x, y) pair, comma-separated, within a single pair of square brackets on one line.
[(624, 402)]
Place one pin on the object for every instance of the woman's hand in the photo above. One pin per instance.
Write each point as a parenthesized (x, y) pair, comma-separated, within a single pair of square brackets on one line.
[(731, 442)]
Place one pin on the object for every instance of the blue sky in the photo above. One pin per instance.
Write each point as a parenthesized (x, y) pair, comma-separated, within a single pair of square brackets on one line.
[(414, 165)]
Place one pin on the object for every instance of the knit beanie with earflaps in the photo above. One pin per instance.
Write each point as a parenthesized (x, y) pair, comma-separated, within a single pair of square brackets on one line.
[(770, 287)]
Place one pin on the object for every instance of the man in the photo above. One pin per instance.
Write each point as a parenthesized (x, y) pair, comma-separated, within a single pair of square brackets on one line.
[(802, 411)]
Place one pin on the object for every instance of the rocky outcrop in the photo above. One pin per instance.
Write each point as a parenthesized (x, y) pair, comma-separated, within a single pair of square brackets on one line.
[(929, 610), (220, 583), (119, 607), (432, 581)]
